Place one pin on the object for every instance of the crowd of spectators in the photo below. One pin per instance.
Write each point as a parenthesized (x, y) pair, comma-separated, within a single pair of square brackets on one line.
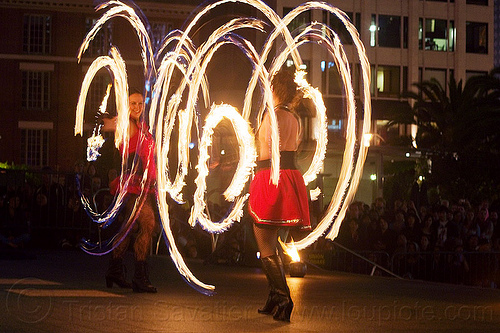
[(47, 201), (455, 242), (44, 209)]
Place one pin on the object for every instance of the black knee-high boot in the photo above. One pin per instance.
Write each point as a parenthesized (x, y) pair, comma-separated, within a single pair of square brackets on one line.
[(279, 296), (116, 274), (140, 282), (272, 299)]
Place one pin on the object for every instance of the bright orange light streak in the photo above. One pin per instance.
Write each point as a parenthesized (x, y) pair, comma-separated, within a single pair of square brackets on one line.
[(290, 250)]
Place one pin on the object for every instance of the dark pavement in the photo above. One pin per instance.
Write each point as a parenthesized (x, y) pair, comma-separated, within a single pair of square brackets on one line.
[(64, 291)]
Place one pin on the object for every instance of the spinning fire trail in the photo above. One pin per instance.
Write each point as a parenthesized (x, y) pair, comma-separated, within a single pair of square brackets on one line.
[(178, 53)]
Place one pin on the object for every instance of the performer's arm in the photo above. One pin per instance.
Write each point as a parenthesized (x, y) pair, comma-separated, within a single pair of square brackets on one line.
[(109, 124)]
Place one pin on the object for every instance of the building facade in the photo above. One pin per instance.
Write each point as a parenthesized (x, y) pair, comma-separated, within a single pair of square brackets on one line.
[(497, 33), (406, 41), (41, 78)]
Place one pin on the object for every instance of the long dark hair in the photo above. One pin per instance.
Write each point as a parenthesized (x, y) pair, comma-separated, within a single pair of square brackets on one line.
[(285, 89), (135, 90)]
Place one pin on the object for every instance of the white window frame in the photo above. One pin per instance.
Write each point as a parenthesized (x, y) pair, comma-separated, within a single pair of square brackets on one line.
[(35, 139), (37, 33), (36, 89)]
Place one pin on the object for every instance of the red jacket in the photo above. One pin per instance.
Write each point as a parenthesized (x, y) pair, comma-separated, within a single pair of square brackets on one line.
[(145, 154)]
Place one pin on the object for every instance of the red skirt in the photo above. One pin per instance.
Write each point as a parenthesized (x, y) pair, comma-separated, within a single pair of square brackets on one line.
[(283, 205)]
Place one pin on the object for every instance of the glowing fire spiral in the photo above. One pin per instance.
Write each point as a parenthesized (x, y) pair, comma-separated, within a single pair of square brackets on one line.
[(178, 53)]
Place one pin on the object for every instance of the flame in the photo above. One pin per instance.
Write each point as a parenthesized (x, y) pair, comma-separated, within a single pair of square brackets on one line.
[(104, 103), (94, 143), (314, 194), (290, 250)]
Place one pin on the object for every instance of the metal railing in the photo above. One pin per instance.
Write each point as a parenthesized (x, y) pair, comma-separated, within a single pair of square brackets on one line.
[(475, 268), (48, 203)]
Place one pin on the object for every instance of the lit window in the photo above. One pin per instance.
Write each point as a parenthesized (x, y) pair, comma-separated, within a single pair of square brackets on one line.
[(388, 81), (451, 36), (420, 33), (436, 35), (381, 131), (373, 31), (36, 34), (35, 90), (335, 125)]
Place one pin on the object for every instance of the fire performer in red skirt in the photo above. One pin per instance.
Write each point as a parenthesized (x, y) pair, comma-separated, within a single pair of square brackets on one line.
[(285, 205)]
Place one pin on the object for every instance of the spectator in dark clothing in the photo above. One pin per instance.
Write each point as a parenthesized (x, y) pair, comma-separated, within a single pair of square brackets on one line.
[(482, 265), (427, 230), (496, 226), (445, 231), (472, 243), (385, 239), (459, 266), (485, 224), (469, 226), (351, 237), (15, 229), (412, 228), (399, 222), (438, 267), (413, 261), (424, 244)]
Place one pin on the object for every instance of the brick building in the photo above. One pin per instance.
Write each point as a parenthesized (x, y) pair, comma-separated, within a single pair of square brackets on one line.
[(41, 78)]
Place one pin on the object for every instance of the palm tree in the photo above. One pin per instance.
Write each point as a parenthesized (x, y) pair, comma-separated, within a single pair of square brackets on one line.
[(484, 122), (458, 131)]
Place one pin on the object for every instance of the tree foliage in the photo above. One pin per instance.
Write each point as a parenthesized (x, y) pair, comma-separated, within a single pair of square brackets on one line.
[(458, 131)]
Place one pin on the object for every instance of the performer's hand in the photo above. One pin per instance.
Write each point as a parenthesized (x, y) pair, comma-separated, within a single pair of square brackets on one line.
[(109, 124)]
